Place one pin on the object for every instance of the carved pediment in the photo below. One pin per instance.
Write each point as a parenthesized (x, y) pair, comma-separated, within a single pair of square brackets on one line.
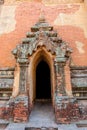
[(42, 34)]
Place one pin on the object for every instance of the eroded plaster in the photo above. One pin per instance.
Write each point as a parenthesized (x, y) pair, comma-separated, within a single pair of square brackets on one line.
[(77, 19), (54, 2), (79, 46), (7, 19)]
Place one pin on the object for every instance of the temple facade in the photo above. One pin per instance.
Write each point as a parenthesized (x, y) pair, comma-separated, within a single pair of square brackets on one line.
[(41, 60)]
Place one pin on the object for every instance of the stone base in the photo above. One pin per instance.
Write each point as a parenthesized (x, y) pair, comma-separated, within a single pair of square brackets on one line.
[(21, 110), (66, 110)]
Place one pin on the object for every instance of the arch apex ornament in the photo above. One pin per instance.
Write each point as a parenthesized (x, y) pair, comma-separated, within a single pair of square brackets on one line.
[(42, 17)]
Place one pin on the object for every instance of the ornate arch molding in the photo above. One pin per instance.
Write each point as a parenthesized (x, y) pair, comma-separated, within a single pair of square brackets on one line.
[(41, 35)]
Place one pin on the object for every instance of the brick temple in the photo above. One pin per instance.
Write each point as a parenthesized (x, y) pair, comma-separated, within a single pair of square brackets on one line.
[(43, 58)]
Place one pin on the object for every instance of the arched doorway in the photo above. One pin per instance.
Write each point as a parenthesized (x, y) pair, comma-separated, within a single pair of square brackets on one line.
[(43, 83), (41, 56)]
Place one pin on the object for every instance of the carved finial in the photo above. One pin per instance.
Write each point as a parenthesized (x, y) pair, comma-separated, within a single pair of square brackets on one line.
[(42, 17)]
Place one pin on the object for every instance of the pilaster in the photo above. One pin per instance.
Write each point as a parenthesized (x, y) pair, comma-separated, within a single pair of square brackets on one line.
[(23, 78)]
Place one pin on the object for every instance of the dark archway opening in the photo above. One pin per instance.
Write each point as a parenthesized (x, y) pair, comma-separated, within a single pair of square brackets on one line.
[(43, 83)]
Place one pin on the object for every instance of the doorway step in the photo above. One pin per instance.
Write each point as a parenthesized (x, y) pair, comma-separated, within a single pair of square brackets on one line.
[(42, 114), (43, 128)]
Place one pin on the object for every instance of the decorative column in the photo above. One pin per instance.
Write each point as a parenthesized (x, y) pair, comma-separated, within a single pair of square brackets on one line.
[(21, 108), (59, 63), (21, 54), (66, 108)]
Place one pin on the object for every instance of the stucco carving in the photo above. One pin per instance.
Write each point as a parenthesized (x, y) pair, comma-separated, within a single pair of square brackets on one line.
[(6, 77), (79, 76), (21, 53), (42, 34)]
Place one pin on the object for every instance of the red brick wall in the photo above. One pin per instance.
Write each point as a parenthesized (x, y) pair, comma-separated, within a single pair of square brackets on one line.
[(26, 15)]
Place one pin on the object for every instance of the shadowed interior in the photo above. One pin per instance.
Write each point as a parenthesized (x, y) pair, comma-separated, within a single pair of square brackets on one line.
[(43, 84)]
